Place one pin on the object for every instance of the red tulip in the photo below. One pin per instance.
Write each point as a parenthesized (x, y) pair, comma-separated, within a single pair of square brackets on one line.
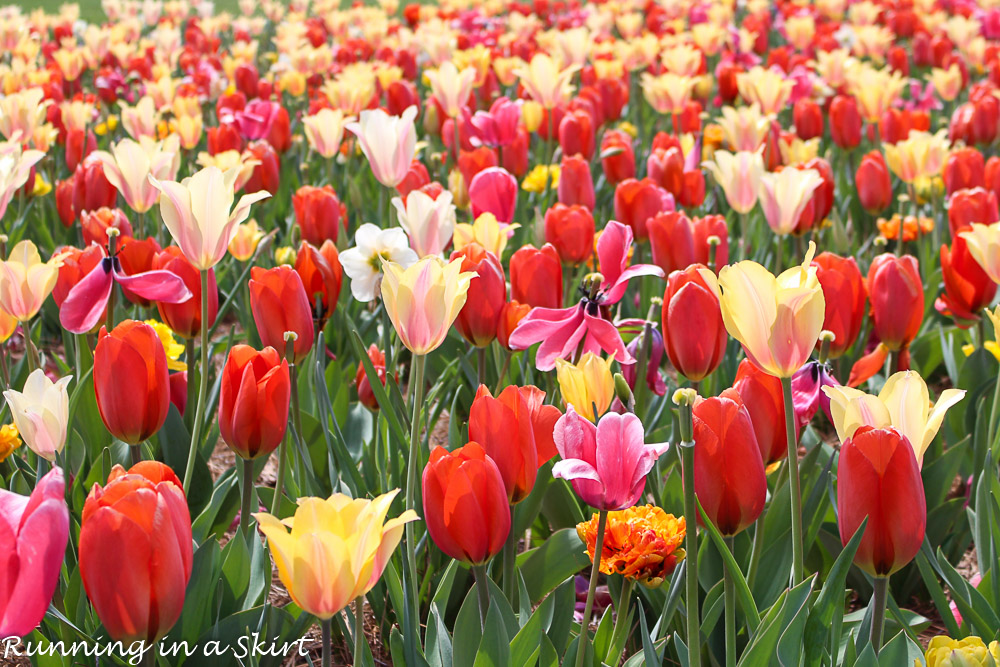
[(131, 381), (762, 395), (845, 121), (536, 276), (503, 426), (967, 288), (576, 134), (365, 394), (666, 168), (571, 230), (808, 119), (693, 330), (511, 315), (878, 479), (253, 401), (638, 201), (321, 274), (617, 156), (140, 523), (514, 156), (415, 178), (319, 213), (65, 191), (977, 205), (267, 174), (873, 182), (79, 144), (728, 473), (575, 183), (480, 316), (95, 225), (964, 168), (184, 319), (493, 190), (470, 163), (465, 503), (845, 296), (897, 298), (76, 264), (279, 304), (678, 242), (137, 256), (91, 188), (225, 137), (692, 194)]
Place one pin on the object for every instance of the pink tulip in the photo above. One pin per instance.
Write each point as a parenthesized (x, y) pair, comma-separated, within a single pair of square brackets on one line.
[(498, 126), (389, 143), (33, 534), (607, 464), (254, 120), (494, 190)]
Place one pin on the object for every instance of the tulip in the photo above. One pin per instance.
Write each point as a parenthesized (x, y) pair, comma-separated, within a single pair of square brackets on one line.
[(897, 298), (745, 128), (428, 222), (365, 394), (968, 206), (922, 155), (968, 289), (266, 172), (134, 168), (570, 229), (18, 165), (319, 213), (844, 296), (873, 182), (35, 531), (196, 212), (728, 472), (321, 274), (245, 241), (95, 225), (677, 241), (253, 401), (135, 256), (505, 428), (493, 190), (131, 381), (510, 316), (184, 318), (279, 303), (389, 143), (140, 120), (451, 87), (767, 88), (785, 194), (576, 186), (617, 157), (904, 403), (465, 503), (140, 521), (965, 168), (845, 122), (695, 335), (536, 276), (499, 126), (654, 376), (480, 316), (983, 243), (576, 134), (776, 319), (91, 188), (26, 281), (878, 479), (424, 300), (587, 383), (545, 82), (325, 131), (808, 119), (762, 396), (638, 201), (739, 175), (41, 412), (606, 463)]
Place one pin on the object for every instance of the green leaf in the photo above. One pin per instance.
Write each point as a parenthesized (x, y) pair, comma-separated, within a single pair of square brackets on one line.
[(438, 650), (742, 590), (900, 650), (970, 602), (562, 555), (783, 614), (388, 409), (649, 653)]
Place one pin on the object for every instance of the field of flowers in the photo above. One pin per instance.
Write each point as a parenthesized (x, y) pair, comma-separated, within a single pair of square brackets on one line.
[(467, 334)]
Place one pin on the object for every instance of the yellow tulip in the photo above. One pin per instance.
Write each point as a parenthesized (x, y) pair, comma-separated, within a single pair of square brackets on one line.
[(776, 319), (532, 115), (768, 88), (668, 93), (903, 403), (984, 246), (26, 281), (783, 196), (451, 87), (333, 551), (947, 83), (969, 652), (875, 89), (485, 231), (422, 301), (587, 385), (545, 82), (244, 243), (920, 156), (325, 130), (682, 59)]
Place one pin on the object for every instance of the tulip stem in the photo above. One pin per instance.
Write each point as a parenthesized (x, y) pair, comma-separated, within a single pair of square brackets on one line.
[(482, 592), (878, 613), (641, 370), (992, 428), (248, 496), (283, 447), (691, 548), (359, 629), (793, 480), (202, 386), (135, 453), (620, 627), (481, 364), (509, 557), (189, 360), (758, 548), (326, 627), (595, 573), (417, 388), (29, 347), (729, 588)]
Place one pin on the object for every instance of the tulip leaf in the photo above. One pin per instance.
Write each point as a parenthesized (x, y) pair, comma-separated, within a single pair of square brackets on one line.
[(783, 614), (388, 409), (562, 555), (742, 590), (937, 594), (561, 620), (235, 574), (970, 602), (438, 651), (681, 648), (900, 650)]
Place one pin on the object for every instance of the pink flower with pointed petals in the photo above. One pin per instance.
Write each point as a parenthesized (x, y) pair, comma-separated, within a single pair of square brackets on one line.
[(33, 534), (607, 464), (494, 190), (612, 253), (498, 126), (87, 300)]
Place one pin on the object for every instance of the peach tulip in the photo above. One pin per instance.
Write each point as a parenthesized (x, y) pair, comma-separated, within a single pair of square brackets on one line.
[(389, 143), (784, 194), (131, 163), (739, 175), (545, 82), (140, 120), (15, 168), (451, 87), (26, 281), (325, 130)]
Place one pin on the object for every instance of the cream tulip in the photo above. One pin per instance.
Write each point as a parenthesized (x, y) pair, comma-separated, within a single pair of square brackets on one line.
[(131, 163), (26, 281), (783, 196), (41, 412)]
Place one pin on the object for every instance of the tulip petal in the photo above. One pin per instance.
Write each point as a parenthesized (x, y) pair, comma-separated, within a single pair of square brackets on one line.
[(162, 286), (87, 300)]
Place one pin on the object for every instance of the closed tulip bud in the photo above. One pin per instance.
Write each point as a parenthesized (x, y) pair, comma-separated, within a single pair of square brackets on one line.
[(588, 384), (844, 295), (666, 168), (571, 230), (253, 401), (845, 121), (266, 176), (319, 213), (576, 134), (739, 175), (511, 315), (576, 186), (321, 274), (465, 503), (41, 413), (897, 297), (874, 183), (765, 403), (493, 190), (279, 303), (480, 316), (365, 394), (91, 188), (694, 333), (536, 276), (728, 472), (677, 241), (808, 119), (64, 201), (184, 319), (35, 531), (965, 168), (225, 137), (638, 201), (617, 156), (389, 143), (140, 522), (878, 479), (977, 205), (131, 381), (967, 288), (95, 225)]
